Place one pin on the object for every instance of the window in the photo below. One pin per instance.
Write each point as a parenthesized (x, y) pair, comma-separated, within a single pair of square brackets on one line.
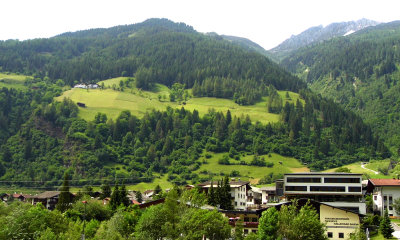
[(246, 231), (341, 180), (375, 198), (235, 203), (304, 180), (296, 188), (246, 219), (327, 189), (390, 207), (341, 235), (354, 189), (330, 235), (254, 220), (254, 231)]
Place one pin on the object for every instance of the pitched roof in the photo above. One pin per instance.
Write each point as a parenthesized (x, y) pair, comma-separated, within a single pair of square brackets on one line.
[(385, 182), (238, 183), (47, 194), (271, 188)]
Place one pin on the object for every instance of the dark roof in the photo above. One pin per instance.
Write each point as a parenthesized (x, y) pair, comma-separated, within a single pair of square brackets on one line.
[(325, 173), (238, 182), (385, 182), (47, 194)]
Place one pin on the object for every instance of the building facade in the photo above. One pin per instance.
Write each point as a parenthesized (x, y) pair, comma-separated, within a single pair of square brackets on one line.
[(239, 192), (384, 192), (339, 222), (342, 190)]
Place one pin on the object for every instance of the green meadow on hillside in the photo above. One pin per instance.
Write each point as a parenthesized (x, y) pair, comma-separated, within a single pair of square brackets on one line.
[(12, 80), (112, 102), (281, 165), (373, 165)]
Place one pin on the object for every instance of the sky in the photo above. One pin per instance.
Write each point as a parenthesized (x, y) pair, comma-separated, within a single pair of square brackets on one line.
[(265, 22)]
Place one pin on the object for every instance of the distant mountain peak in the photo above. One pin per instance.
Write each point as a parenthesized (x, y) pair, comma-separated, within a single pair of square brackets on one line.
[(320, 33)]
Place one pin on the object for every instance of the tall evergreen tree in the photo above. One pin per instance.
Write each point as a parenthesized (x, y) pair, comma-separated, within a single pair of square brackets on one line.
[(115, 200), (64, 200), (225, 195), (211, 195), (139, 196), (105, 191), (386, 227), (123, 196)]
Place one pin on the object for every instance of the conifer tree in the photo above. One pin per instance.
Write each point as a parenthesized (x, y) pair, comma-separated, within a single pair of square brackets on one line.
[(65, 197), (211, 195), (105, 191), (385, 227), (114, 201), (139, 196), (123, 196)]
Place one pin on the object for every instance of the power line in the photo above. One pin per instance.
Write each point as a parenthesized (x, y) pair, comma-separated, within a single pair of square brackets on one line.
[(77, 180)]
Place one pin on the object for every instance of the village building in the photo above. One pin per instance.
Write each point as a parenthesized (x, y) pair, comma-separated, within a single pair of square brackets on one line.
[(342, 190), (49, 199), (268, 195), (384, 192), (239, 192), (249, 219), (21, 197), (340, 222)]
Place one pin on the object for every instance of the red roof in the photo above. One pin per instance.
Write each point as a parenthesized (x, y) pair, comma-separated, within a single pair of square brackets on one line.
[(385, 182)]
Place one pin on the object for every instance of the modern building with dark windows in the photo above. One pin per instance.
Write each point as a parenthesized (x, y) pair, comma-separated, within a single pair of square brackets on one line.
[(342, 190)]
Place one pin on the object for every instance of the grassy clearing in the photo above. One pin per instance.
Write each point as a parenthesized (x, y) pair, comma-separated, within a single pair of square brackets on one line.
[(375, 164), (12, 80), (112, 102), (110, 82), (249, 172), (356, 168)]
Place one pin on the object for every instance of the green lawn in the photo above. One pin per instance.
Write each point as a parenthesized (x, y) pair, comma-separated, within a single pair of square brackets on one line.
[(12, 80), (110, 82), (356, 168), (250, 173), (375, 165), (112, 102)]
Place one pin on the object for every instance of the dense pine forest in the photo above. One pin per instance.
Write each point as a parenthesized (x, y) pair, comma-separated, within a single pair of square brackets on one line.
[(42, 138), (359, 71), (159, 50)]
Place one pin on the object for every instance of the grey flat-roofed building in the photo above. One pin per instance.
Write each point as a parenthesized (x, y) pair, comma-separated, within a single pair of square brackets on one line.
[(342, 190)]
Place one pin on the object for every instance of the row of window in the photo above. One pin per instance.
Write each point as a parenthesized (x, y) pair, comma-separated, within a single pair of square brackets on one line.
[(340, 235), (322, 189), (319, 180), (241, 204), (246, 231)]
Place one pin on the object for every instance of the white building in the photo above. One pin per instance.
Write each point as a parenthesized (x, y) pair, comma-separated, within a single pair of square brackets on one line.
[(384, 192), (239, 192), (343, 190), (268, 195)]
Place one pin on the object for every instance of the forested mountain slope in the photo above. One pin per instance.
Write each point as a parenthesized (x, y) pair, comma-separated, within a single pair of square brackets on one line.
[(159, 50), (44, 138), (359, 71), (318, 34)]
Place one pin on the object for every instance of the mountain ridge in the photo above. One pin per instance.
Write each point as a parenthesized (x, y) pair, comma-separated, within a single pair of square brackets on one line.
[(360, 72), (318, 34)]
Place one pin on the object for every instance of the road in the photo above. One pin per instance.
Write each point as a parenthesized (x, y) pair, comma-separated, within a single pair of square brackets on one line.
[(363, 166), (396, 232)]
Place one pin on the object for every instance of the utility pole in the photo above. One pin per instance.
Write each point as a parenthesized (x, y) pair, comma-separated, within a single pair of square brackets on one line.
[(84, 221)]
